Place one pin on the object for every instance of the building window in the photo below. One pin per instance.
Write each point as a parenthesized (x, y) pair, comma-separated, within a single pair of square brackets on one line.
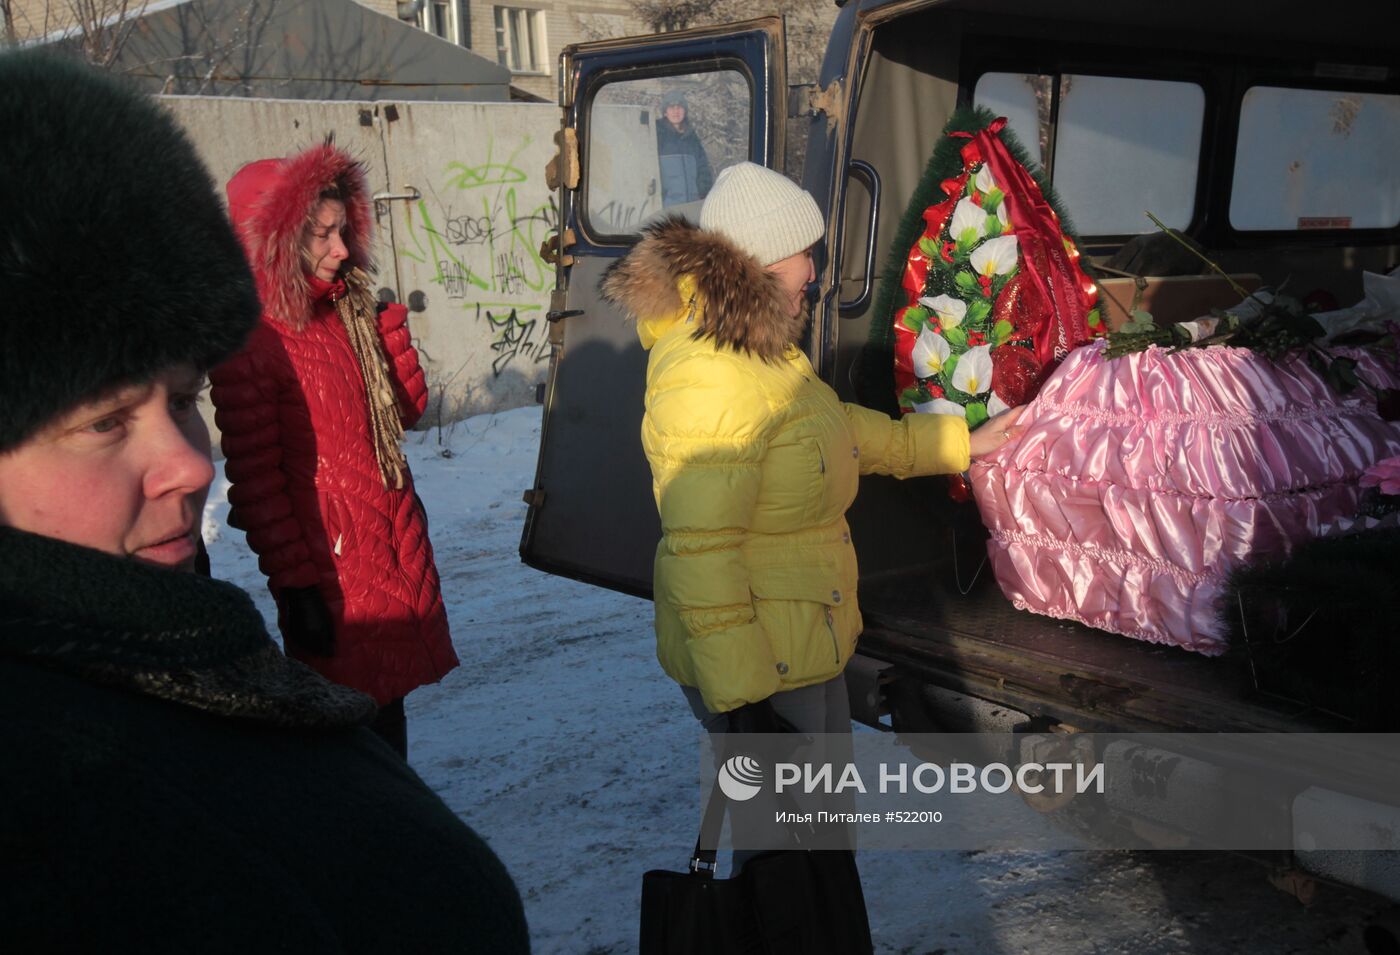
[(520, 44), (447, 19)]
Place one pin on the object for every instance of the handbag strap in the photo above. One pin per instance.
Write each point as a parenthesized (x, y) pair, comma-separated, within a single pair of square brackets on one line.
[(703, 861)]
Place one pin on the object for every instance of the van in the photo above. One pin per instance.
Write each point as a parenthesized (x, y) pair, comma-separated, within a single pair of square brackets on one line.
[(1206, 113)]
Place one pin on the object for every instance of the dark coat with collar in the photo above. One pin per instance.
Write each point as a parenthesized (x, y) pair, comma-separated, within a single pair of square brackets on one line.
[(685, 169), (172, 783)]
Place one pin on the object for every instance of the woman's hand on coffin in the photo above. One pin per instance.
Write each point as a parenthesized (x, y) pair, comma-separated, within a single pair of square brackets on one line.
[(996, 432)]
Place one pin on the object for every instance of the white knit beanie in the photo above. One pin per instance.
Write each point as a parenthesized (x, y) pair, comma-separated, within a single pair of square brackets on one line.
[(762, 212)]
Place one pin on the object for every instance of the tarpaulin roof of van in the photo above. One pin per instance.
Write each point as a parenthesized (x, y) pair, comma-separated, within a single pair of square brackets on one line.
[(311, 49)]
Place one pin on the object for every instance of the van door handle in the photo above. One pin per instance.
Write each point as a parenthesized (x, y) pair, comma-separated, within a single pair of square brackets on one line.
[(863, 171)]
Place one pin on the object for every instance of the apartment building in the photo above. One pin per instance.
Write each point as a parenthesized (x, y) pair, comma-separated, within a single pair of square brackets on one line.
[(524, 36)]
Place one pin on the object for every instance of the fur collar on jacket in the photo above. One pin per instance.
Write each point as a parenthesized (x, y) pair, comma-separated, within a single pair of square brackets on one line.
[(175, 636), (743, 304), (269, 202)]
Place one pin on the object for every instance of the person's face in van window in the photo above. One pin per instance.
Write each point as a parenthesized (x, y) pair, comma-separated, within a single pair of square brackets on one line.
[(126, 473), (675, 114), (795, 273), (324, 240)]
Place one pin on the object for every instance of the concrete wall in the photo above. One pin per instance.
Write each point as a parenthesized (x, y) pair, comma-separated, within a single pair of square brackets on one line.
[(464, 255)]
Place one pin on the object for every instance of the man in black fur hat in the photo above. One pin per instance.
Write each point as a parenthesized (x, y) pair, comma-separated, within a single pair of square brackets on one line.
[(171, 782)]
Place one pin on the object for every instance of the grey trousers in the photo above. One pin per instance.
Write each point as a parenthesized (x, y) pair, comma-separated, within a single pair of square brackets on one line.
[(823, 708)]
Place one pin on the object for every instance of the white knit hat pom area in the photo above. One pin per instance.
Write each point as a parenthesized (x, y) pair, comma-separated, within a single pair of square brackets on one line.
[(763, 212)]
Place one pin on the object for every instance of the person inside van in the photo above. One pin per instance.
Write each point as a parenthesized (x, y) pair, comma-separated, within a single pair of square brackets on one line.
[(172, 781), (685, 168)]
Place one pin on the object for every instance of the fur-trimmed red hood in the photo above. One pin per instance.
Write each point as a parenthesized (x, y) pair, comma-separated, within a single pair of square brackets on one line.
[(744, 305), (269, 201)]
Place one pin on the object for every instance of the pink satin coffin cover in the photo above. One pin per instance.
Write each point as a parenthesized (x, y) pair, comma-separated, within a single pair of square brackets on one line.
[(1141, 481)]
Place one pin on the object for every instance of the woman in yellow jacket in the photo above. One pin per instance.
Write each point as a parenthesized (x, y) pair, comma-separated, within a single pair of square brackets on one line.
[(755, 460)]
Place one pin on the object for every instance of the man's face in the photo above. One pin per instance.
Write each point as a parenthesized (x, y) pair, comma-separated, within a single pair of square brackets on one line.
[(675, 114), (126, 473)]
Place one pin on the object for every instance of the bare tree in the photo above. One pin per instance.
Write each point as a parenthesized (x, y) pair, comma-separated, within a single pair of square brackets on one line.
[(668, 16), (99, 28), (200, 48), (104, 26)]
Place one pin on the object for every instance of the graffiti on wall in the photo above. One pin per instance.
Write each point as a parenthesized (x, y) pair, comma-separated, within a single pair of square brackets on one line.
[(514, 338), (478, 234)]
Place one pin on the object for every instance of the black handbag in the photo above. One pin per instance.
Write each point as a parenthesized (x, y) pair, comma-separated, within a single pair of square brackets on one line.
[(784, 902)]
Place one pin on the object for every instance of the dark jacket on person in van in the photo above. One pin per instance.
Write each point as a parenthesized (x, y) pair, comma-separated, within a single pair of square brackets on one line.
[(685, 169)]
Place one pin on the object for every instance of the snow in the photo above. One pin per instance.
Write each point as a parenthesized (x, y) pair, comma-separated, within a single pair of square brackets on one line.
[(562, 743)]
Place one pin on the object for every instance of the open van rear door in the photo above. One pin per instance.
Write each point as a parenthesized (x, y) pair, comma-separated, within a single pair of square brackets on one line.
[(592, 515)]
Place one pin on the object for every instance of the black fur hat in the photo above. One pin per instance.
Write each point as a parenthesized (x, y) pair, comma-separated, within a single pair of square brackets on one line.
[(116, 258)]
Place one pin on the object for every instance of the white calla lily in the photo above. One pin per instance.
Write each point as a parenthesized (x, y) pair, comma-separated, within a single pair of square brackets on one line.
[(996, 406), (941, 406), (967, 215), (950, 311), (974, 372), (995, 256), (1001, 216), (984, 181), (930, 352)]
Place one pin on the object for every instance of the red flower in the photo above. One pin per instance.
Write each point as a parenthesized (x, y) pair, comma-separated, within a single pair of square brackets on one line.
[(947, 252), (976, 338), (934, 391), (986, 282)]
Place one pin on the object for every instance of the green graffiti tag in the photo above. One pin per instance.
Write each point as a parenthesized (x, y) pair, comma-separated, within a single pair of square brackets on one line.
[(492, 246), (480, 237)]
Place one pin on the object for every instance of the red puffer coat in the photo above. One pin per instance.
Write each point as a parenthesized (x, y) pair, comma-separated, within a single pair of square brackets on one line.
[(306, 484)]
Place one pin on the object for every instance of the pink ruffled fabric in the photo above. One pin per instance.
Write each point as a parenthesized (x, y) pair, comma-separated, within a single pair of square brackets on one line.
[(1142, 481)]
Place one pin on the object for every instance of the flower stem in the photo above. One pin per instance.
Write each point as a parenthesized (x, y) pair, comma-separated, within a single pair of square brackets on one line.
[(1240, 290)]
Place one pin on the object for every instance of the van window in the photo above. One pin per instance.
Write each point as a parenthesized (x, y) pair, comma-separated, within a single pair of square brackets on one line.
[(656, 144), (1316, 159), (1117, 145)]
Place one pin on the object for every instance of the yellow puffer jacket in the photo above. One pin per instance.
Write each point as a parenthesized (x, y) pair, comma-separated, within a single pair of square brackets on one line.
[(754, 462)]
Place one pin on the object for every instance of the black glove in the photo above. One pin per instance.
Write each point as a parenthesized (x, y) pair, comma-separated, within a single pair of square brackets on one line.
[(306, 621), (758, 717)]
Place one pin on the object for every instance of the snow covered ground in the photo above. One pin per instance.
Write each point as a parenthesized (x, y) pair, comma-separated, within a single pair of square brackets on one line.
[(563, 744)]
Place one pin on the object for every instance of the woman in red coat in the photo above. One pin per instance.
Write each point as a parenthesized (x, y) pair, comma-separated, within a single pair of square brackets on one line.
[(311, 412)]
